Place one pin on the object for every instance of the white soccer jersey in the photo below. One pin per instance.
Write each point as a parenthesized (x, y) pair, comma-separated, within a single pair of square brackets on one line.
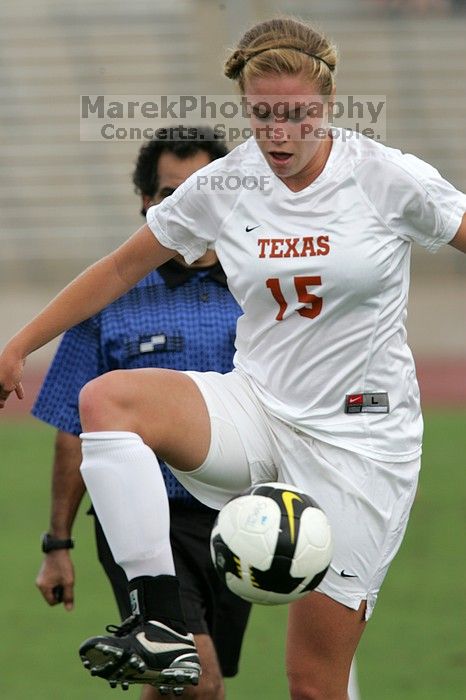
[(322, 276)]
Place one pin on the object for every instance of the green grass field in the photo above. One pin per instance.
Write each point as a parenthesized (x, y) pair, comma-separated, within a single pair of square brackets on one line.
[(414, 647)]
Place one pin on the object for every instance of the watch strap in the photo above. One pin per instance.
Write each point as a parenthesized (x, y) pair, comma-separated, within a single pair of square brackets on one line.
[(51, 543)]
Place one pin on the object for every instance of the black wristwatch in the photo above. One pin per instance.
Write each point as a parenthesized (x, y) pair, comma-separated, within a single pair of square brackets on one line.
[(51, 543)]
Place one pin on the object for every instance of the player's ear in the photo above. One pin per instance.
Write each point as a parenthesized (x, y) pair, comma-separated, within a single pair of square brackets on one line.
[(146, 203)]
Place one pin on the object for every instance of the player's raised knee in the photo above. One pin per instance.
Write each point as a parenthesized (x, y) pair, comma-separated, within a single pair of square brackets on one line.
[(99, 399)]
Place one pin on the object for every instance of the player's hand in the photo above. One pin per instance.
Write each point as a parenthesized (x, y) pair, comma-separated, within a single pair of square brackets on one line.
[(55, 579), (11, 371)]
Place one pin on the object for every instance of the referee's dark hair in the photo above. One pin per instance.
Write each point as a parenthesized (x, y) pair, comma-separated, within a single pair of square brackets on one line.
[(179, 141)]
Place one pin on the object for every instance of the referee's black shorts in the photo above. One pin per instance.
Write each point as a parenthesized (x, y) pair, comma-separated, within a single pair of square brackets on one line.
[(208, 605)]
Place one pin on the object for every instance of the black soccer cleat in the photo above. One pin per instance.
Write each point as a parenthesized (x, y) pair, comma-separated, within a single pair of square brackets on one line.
[(143, 652)]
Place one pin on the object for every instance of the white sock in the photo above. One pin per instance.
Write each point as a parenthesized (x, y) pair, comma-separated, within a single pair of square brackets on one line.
[(128, 493)]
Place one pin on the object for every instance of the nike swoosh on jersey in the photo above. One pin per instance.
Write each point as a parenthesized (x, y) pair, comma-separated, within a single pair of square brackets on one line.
[(288, 497), (251, 228)]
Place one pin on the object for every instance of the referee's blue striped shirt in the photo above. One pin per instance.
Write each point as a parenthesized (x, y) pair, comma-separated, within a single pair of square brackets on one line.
[(175, 318)]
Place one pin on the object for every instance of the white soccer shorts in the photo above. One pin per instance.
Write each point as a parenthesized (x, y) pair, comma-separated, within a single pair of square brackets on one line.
[(367, 501)]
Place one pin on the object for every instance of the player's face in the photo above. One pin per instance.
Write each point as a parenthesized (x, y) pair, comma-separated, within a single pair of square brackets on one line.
[(172, 172), (289, 119)]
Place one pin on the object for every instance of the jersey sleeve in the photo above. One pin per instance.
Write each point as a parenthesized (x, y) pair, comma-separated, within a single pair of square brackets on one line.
[(413, 200), (76, 362), (186, 221)]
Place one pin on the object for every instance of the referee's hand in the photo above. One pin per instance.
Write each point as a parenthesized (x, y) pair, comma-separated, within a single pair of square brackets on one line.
[(55, 579)]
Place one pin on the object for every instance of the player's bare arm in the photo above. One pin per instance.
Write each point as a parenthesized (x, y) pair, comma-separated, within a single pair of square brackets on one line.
[(55, 579), (91, 291), (459, 240)]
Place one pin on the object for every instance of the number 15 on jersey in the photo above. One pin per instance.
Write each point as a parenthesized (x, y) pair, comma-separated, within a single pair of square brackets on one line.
[(313, 303)]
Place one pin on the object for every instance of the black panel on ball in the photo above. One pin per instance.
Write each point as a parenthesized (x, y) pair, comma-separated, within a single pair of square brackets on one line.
[(277, 578), (225, 559), (316, 580)]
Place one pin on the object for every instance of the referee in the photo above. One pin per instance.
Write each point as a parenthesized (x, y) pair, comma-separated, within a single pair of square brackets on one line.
[(178, 317)]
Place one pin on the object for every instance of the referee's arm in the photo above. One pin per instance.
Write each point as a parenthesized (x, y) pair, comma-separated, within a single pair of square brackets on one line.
[(56, 578)]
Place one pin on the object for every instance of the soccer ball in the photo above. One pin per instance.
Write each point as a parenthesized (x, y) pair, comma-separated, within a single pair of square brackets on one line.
[(272, 544)]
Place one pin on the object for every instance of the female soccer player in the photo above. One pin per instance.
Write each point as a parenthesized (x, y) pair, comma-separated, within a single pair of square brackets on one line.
[(323, 394)]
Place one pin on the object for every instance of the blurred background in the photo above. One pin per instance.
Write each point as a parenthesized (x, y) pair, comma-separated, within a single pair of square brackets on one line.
[(64, 202)]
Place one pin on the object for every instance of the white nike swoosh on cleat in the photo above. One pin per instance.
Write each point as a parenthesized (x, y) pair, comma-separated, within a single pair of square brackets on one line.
[(188, 637), (161, 647)]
